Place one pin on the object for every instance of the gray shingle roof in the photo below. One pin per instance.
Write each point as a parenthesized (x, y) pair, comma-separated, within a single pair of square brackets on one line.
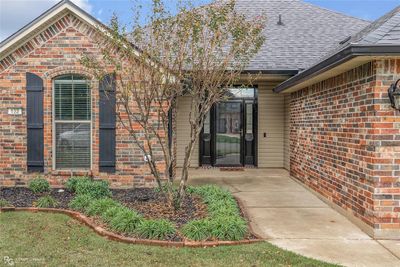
[(308, 32), (385, 30), (381, 37)]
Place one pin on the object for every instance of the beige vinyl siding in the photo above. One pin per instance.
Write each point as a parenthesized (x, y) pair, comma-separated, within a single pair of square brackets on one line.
[(183, 133), (287, 133), (271, 118)]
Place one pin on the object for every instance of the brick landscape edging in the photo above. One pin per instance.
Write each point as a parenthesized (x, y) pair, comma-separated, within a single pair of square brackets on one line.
[(116, 237)]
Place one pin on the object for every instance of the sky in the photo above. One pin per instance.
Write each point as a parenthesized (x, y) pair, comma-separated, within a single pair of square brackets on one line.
[(14, 14)]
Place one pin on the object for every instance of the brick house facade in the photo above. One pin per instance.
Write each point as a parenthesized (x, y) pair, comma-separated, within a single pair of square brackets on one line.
[(56, 51), (344, 142)]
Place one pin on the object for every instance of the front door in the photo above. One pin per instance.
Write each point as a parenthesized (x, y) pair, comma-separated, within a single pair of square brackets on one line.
[(230, 130), (228, 134)]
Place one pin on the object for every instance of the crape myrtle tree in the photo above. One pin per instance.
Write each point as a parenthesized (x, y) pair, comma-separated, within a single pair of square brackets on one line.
[(198, 52)]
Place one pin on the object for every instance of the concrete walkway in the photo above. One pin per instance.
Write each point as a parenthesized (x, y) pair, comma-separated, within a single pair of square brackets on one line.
[(291, 217)]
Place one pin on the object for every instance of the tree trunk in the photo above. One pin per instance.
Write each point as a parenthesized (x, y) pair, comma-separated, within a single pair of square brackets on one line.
[(185, 172)]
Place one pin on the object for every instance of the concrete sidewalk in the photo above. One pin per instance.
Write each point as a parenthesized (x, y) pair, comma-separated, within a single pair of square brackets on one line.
[(291, 217)]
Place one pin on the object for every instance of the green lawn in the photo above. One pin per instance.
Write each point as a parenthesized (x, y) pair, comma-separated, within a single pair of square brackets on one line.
[(56, 240)]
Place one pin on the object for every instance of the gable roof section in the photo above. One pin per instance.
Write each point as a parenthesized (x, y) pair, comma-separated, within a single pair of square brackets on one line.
[(40, 30), (381, 38), (385, 30), (307, 33)]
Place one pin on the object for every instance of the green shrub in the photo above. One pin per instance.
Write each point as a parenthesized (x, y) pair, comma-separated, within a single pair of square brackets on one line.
[(155, 229), (224, 222), (73, 181), (197, 229), (5, 203), (99, 206), (96, 189), (228, 228), (46, 202), (126, 221), (210, 193), (223, 207), (207, 190), (39, 185), (111, 212), (85, 186), (219, 201), (80, 202)]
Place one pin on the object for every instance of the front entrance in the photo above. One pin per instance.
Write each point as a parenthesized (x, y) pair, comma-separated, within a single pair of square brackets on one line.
[(229, 134), (228, 121)]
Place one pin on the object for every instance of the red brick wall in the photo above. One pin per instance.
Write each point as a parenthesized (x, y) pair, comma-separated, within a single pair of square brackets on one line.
[(345, 142), (53, 52), (386, 161)]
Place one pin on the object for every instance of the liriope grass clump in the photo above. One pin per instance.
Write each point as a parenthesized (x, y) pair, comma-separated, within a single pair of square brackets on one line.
[(39, 185), (4, 203), (95, 189), (126, 221), (155, 229), (197, 229), (224, 221), (94, 199), (80, 202), (46, 202), (86, 186), (99, 206), (72, 182)]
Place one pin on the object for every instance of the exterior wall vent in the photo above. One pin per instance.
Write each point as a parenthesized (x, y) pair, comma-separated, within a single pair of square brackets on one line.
[(280, 22)]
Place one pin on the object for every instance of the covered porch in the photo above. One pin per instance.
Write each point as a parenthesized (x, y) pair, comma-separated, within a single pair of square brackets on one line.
[(288, 215)]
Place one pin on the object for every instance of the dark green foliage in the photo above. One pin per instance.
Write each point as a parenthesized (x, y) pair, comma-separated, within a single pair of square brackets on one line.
[(155, 229), (111, 212), (126, 221), (46, 202), (197, 229), (210, 193), (99, 206), (73, 181), (39, 185), (224, 222), (80, 202), (96, 189), (228, 228), (223, 207), (5, 203)]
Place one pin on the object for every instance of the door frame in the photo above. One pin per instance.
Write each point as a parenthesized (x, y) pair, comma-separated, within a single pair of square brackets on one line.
[(211, 159)]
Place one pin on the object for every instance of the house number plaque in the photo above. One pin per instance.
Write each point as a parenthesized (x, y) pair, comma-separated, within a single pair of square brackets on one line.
[(15, 111)]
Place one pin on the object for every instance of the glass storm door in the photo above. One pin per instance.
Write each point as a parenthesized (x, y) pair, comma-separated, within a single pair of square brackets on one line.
[(228, 124), (230, 129)]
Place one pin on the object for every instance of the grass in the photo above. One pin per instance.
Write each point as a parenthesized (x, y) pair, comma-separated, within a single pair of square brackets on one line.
[(224, 221), (46, 202), (58, 240)]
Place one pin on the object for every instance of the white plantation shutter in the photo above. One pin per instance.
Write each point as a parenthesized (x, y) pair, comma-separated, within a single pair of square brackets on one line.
[(72, 115)]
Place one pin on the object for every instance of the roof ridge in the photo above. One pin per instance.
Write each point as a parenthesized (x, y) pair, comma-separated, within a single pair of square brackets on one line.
[(375, 25), (334, 11), (359, 36)]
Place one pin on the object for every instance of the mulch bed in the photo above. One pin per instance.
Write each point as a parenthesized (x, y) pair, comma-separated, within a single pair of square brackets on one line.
[(151, 204), (24, 197)]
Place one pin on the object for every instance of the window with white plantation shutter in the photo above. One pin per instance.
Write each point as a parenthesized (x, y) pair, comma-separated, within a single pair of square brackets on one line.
[(72, 122)]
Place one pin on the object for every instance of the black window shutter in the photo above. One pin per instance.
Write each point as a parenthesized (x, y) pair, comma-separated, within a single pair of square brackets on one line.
[(107, 124), (34, 114)]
